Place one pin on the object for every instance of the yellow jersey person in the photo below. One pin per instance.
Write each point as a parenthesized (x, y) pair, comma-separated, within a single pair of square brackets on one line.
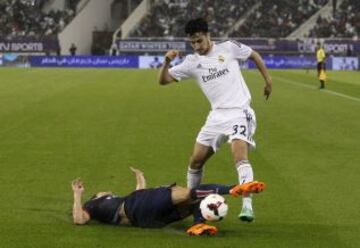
[(321, 68)]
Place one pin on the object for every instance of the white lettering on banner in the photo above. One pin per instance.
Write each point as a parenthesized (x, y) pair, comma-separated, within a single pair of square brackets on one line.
[(21, 46), (78, 61), (4, 46), (337, 48), (27, 47), (149, 46)]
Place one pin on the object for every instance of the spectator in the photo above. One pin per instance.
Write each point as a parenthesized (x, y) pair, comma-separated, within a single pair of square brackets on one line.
[(278, 18), (19, 18), (72, 49), (167, 17), (114, 51), (345, 22)]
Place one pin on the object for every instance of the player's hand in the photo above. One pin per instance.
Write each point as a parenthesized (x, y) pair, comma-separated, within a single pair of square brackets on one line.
[(136, 171), (77, 186), (171, 55), (267, 90)]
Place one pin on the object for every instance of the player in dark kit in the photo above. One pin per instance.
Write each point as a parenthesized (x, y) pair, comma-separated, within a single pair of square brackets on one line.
[(154, 207)]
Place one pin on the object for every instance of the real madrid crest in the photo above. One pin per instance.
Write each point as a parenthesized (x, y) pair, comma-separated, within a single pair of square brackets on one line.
[(221, 58)]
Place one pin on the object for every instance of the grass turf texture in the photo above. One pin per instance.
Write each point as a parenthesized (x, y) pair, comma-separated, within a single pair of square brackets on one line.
[(59, 124)]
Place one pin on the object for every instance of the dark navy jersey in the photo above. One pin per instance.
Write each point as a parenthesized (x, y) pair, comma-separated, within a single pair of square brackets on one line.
[(151, 208), (104, 209)]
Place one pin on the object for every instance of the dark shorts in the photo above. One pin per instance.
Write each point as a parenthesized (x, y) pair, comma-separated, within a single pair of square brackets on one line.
[(152, 208), (320, 66)]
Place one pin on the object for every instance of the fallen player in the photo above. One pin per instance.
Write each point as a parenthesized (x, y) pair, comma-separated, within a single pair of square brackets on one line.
[(153, 207)]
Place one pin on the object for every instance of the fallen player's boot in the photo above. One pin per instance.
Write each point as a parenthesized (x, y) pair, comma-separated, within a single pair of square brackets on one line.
[(247, 188), (201, 229), (246, 214)]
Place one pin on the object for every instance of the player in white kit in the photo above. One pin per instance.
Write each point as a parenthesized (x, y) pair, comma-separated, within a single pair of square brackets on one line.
[(216, 69)]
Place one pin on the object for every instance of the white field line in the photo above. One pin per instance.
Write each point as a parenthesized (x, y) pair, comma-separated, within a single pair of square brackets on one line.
[(324, 90)]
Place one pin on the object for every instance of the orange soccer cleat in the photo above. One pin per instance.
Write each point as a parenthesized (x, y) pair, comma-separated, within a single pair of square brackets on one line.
[(201, 229), (246, 188)]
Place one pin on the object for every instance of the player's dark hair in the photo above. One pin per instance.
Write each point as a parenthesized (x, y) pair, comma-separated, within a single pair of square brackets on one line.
[(196, 25)]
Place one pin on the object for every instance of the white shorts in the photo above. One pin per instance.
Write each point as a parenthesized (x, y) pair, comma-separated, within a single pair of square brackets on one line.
[(226, 125)]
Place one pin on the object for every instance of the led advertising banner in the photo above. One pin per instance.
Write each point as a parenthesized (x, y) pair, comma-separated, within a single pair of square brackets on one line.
[(85, 61), (345, 63)]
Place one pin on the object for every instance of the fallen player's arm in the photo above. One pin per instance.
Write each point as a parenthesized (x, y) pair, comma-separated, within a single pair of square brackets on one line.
[(80, 216), (140, 179)]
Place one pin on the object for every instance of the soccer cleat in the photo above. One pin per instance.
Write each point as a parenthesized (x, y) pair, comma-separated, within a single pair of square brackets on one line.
[(246, 214), (201, 229), (247, 188)]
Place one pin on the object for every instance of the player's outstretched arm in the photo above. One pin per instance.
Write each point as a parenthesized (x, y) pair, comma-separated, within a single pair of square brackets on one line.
[(140, 179), (255, 56), (164, 77), (80, 217)]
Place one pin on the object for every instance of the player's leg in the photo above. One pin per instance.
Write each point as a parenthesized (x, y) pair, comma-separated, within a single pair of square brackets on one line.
[(239, 150), (187, 201), (182, 198), (201, 153), (241, 140), (186, 206), (199, 226), (321, 74), (319, 67), (181, 195)]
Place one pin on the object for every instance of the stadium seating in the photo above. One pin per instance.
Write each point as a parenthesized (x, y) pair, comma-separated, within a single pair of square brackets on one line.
[(24, 18), (344, 23), (274, 18), (168, 17), (277, 18)]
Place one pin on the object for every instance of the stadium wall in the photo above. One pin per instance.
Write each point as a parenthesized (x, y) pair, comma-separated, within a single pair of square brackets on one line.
[(79, 31), (135, 18)]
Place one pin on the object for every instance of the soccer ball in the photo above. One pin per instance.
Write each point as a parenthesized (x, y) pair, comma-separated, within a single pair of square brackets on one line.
[(213, 207)]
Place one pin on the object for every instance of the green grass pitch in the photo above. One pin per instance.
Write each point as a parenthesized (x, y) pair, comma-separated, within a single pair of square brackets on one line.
[(58, 124)]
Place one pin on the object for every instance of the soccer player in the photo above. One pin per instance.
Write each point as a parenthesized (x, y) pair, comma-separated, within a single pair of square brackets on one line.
[(320, 57), (216, 68), (152, 208)]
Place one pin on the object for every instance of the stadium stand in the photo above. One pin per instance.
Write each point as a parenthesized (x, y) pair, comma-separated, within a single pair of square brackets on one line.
[(168, 17), (344, 23), (161, 19), (24, 18), (278, 18), (275, 18)]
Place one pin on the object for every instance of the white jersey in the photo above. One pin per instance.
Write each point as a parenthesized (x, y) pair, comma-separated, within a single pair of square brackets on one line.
[(218, 74)]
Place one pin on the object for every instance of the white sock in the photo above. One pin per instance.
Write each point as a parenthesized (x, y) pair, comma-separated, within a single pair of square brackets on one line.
[(246, 175), (194, 177)]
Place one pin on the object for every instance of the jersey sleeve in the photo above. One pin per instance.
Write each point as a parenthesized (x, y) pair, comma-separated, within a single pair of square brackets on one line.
[(182, 70), (239, 50)]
